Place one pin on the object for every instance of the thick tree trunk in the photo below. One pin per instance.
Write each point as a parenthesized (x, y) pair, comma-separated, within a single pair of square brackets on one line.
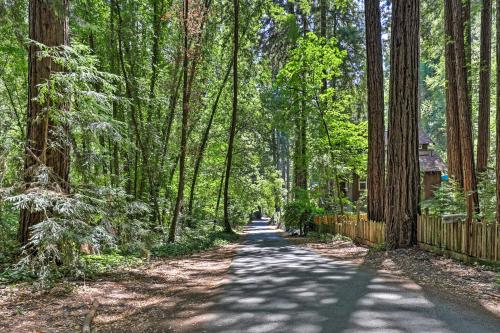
[(483, 130), (467, 34), (48, 25), (497, 220), (452, 122), (465, 124), (402, 185), (184, 129), (234, 117), (376, 128)]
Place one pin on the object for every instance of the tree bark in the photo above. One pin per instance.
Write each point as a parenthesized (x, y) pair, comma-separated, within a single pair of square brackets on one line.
[(376, 128), (452, 122), (322, 24), (355, 187), (465, 123), (497, 220), (45, 147), (402, 185), (467, 35), (184, 129), (234, 117), (483, 130)]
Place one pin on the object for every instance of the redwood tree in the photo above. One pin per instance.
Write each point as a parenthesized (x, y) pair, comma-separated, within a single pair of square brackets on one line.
[(375, 87), (483, 130), (45, 146), (465, 124), (452, 123), (402, 186), (498, 121)]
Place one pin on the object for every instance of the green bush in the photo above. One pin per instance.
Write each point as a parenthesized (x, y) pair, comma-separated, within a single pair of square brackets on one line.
[(9, 247), (195, 240), (299, 214), (450, 198), (102, 263)]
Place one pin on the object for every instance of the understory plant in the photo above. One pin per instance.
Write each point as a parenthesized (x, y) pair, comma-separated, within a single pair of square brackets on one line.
[(299, 214), (88, 221), (450, 198)]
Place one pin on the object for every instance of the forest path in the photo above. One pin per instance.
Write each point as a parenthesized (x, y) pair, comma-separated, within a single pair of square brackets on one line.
[(275, 286)]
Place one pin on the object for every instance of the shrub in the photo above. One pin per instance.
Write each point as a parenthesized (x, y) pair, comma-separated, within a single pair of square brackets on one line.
[(204, 237), (299, 214), (101, 219)]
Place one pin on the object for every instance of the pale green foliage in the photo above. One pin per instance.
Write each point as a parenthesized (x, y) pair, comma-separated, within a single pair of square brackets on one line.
[(447, 199), (451, 199), (97, 219)]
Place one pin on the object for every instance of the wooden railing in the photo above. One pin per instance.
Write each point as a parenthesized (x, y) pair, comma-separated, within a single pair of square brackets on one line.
[(482, 241)]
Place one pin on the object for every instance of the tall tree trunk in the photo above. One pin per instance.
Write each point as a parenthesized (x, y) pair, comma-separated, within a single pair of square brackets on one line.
[(465, 124), (497, 220), (376, 128), (300, 153), (322, 24), (48, 25), (204, 139), (355, 187), (184, 129), (452, 122), (234, 117), (402, 185), (483, 130), (467, 34)]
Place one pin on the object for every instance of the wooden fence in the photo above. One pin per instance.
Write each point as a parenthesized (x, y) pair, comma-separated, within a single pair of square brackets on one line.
[(481, 241), (433, 234), (356, 227)]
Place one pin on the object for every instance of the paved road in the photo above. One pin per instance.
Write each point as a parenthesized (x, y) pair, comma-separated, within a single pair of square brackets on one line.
[(278, 287)]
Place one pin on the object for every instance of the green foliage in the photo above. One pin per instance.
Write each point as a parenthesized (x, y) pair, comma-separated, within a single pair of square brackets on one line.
[(299, 214), (105, 263), (381, 247), (205, 237), (8, 231), (101, 220), (449, 198)]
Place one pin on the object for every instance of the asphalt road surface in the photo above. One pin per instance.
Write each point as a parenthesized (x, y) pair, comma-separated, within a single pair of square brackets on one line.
[(275, 286)]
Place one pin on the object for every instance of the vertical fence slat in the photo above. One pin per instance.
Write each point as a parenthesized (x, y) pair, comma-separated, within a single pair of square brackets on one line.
[(477, 239)]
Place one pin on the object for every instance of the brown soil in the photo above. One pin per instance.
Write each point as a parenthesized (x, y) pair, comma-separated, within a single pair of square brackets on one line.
[(430, 271), (166, 295)]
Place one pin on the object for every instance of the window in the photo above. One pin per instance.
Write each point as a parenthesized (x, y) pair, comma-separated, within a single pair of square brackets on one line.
[(362, 185)]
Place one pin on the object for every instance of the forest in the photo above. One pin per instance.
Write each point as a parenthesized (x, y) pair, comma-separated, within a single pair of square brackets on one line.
[(134, 131)]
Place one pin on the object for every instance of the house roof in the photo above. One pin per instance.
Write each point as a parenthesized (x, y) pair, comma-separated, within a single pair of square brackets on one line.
[(423, 138), (430, 161)]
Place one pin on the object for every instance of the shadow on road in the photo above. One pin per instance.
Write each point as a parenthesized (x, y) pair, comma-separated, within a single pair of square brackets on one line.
[(278, 287)]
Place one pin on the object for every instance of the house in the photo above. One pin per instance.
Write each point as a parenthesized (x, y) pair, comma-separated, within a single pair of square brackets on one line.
[(431, 168), (431, 165)]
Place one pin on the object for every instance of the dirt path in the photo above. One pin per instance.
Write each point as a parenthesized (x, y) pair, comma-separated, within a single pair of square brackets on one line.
[(163, 296)]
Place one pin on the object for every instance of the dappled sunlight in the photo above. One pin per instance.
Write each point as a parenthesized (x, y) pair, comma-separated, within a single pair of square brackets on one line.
[(275, 286)]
